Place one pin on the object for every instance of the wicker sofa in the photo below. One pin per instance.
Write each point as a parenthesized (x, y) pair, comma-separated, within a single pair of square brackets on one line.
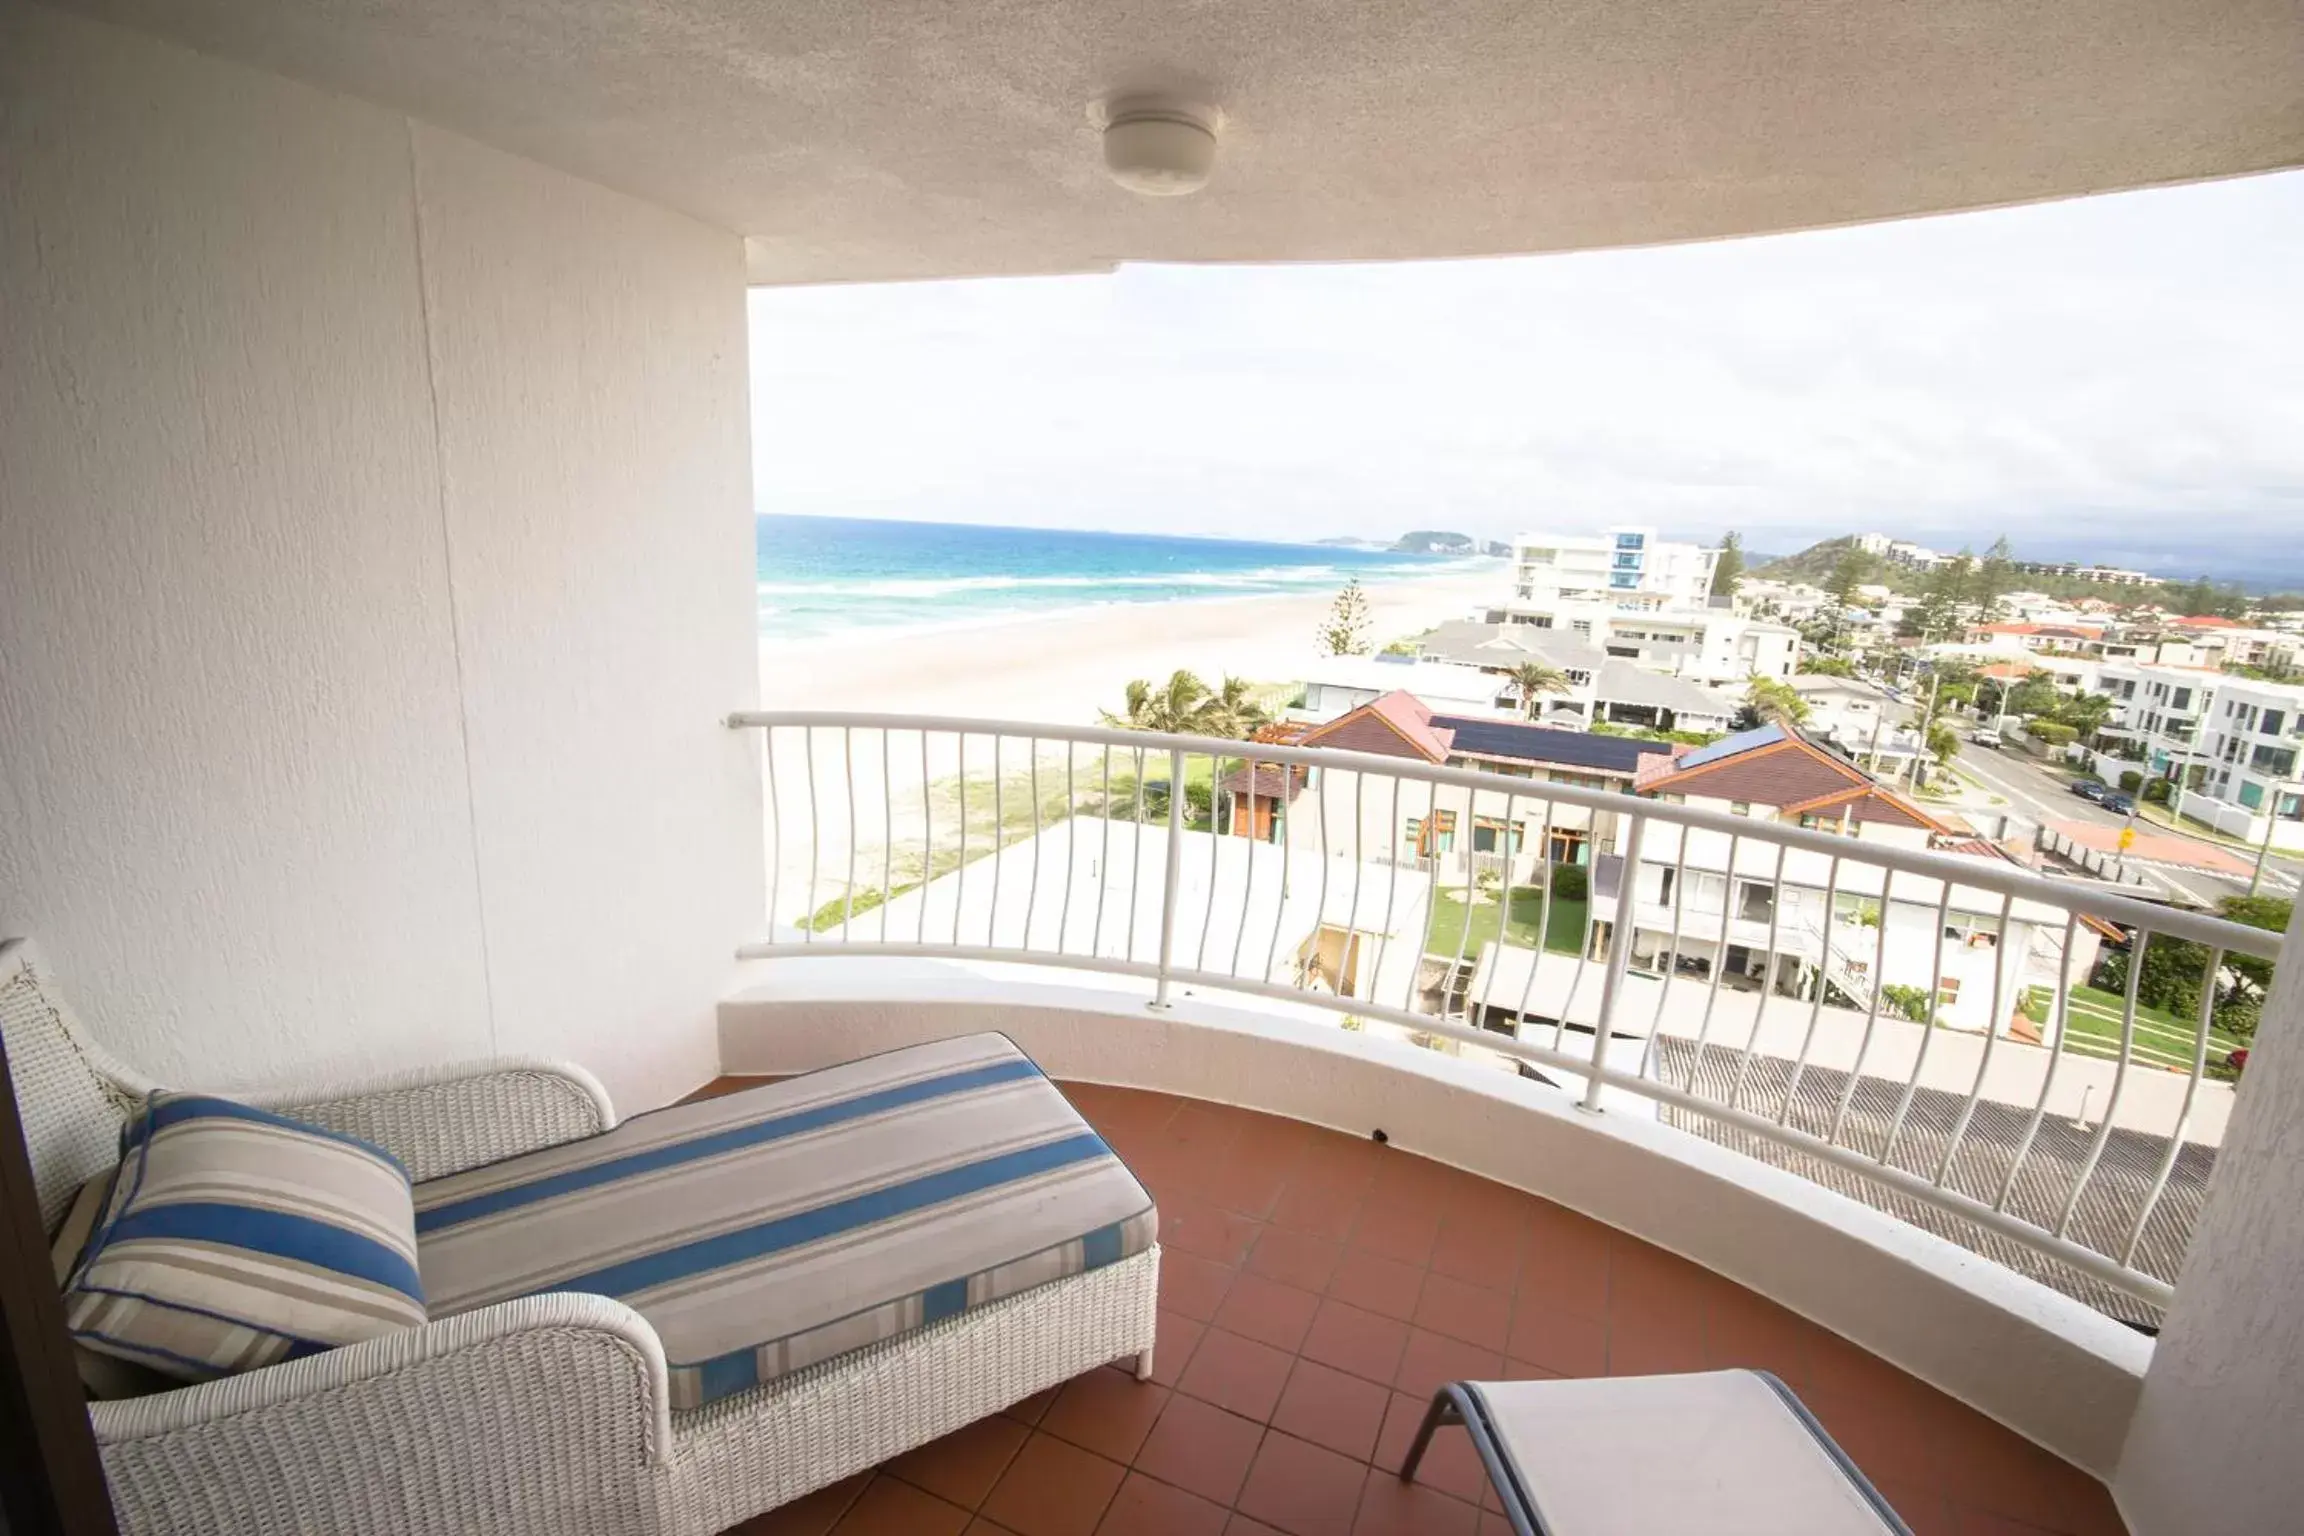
[(550, 1413)]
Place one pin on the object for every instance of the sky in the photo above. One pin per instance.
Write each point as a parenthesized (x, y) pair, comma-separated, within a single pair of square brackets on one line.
[(2118, 378)]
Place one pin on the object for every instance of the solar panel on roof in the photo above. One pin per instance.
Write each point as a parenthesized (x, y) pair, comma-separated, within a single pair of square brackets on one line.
[(1529, 743), (1729, 746)]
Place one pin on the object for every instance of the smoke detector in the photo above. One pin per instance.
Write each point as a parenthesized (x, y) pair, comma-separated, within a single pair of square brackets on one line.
[(1158, 146)]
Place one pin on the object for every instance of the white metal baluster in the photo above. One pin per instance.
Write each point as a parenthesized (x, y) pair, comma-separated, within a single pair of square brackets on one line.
[(848, 772), (1287, 814), (815, 835), (1767, 980), (1928, 1031), (1103, 856), (1871, 1015), (927, 834), (1823, 980), (2001, 949), (1543, 924), (1032, 891), (1169, 878), (1584, 938), (1430, 833), (1136, 859), (1215, 875), (1071, 850), (1391, 890), (2060, 1011), (1471, 894), (1719, 961), (1503, 907), (1350, 952), (2119, 1081), (960, 871), (1671, 965), (999, 846), (1248, 883), (775, 828), (1619, 956), (887, 833), (2183, 1114), (1320, 912)]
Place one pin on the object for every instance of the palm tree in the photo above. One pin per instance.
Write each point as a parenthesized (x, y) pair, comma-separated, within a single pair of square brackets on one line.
[(1234, 712), (1775, 701), (1534, 679), (1186, 706)]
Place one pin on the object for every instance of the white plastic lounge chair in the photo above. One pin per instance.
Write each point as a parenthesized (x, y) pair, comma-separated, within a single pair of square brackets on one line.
[(897, 1247), (1718, 1453)]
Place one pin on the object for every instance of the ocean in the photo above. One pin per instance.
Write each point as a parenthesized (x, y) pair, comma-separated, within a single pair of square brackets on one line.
[(825, 576)]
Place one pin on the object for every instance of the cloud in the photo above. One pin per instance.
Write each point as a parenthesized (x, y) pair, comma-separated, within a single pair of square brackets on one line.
[(2116, 373)]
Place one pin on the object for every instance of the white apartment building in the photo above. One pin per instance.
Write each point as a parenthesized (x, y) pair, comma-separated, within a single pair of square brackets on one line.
[(1645, 600), (2240, 737), (1624, 564)]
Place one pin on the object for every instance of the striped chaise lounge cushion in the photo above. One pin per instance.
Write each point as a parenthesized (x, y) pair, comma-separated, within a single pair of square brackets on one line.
[(765, 1231)]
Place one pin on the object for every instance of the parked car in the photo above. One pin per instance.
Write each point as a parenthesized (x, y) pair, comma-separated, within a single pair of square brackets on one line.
[(1987, 737), (2090, 789), (2118, 802)]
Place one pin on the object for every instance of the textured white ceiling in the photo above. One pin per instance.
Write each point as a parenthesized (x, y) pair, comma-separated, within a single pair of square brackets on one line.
[(866, 139)]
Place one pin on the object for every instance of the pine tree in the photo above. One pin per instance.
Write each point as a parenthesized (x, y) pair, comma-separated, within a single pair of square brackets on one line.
[(1344, 632), (1730, 568)]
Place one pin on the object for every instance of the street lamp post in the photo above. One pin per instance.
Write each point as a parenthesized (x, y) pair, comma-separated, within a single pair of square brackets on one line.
[(2271, 825)]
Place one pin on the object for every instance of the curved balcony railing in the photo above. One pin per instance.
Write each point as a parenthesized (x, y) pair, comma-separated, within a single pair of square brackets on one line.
[(1770, 989)]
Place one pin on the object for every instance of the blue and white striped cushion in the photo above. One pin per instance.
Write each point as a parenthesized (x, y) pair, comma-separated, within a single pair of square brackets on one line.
[(768, 1230), (230, 1238)]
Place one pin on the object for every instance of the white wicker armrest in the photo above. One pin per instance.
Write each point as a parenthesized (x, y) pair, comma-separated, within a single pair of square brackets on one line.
[(548, 1414), (442, 1120)]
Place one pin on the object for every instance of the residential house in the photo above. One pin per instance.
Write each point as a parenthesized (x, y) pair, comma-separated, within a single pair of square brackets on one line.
[(1455, 832), (1601, 687), (1810, 925)]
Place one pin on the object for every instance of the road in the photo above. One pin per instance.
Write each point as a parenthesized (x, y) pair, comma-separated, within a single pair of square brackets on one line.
[(2034, 794)]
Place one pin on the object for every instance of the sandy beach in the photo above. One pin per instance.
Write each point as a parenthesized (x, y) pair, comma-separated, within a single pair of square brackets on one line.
[(1063, 668), (1057, 670)]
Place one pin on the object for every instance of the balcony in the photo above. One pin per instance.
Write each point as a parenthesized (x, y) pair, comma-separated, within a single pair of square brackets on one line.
[(1317, 1286), (940, 874)]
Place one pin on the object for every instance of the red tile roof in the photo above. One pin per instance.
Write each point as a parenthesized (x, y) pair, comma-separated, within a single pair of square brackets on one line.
[(1398, 724), (1796, 777)]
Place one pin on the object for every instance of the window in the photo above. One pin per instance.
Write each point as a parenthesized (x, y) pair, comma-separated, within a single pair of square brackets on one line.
[(2272, 721), (1538, 556), (2182, 699), (1490, 835), (1948, 989), (2279, 761), (2251, 794), (1739, 807), (1631, 540)]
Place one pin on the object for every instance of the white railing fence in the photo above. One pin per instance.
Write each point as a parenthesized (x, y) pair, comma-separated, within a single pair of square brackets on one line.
[(1426, 899)]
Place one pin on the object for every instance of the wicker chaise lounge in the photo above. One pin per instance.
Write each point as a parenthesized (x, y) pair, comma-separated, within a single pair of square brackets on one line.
[(819, 1274)]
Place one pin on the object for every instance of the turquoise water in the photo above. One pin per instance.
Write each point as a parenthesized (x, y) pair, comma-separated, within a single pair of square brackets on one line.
[(821, 576)]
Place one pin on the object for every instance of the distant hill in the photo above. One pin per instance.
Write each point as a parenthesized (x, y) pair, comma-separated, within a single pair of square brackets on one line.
[(1813, 565), (1427, 541)]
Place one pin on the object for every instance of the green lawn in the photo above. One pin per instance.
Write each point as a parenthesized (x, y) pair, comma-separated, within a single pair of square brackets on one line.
[(1564, 933), (2162, 1039)]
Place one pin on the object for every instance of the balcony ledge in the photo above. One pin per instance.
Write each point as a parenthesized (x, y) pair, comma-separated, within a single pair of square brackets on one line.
[(2044, 1365)]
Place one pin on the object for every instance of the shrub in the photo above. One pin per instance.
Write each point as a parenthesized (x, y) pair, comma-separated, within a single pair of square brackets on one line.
[(2157, 791), (2051, 733), (1912, 1002), (1571, 882), (2131, 780)]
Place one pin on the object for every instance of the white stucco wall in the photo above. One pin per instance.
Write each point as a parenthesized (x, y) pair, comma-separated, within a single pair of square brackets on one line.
[(2220, 1425), (375, 551)]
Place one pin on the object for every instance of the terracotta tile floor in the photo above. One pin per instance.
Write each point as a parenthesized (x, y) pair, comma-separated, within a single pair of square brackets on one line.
[(1316, 1288)]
